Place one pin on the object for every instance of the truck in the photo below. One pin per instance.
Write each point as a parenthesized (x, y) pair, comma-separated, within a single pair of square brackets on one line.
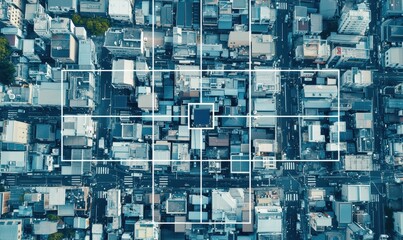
[(101, 143), (139, 175)]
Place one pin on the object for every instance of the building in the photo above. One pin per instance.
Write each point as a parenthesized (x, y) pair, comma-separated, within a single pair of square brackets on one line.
[(355, 22), (184, 17), (87, 55), (357, 231), (263, 46), (13, 161), (123, 74), (316, 24), (62, 6), (237, 39), (113, 206), (263, 17), (356, 78), (320, 91), (121, 10), (269, 222), (392, 30), (343, 212), (11, 229), (78, 131), (146, 230), (363, 120), (392, 8), (398, 223), (347, 57), (15, 132), (64, 48), (44, 227), (358, 163), (320, 221), (138, 152), (126, 42), (356, 193), (4, 202), (266, 83), (301, 20), (42, 24), (313, 48), (94, 7), (97, 231), (48, 94), (227, 205), (264, 147), (61, 25), (176, 205), (10, 14), (187, 81), (148, 102), (314, 133), (394, 58)]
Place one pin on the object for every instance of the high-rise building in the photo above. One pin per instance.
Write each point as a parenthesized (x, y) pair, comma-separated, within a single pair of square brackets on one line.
[(355, 21)]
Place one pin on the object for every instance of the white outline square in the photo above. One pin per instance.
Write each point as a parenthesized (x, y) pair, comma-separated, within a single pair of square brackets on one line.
[(212, 117)]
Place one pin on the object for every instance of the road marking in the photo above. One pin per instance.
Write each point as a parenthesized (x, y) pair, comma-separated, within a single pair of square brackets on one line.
[(374, 198), (76, 180), (102, 170), (128, 180), (291, 197), (163, 181), (289, 166), (10, 180), (311, 180), (102, 194)]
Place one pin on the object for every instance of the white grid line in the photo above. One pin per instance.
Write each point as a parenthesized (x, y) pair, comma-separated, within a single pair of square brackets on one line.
[(201, 73), (201, 176)]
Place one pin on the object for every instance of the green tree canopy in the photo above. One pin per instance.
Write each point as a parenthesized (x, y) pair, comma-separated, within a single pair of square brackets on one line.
[(5, 51), (56, 236), (95, 26), (7, 72), (7, 69)]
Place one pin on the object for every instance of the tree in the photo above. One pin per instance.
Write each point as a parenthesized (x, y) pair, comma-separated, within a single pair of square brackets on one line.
[(7, 72), (56, 236), (5, 51), (53, 217), (94, 26)]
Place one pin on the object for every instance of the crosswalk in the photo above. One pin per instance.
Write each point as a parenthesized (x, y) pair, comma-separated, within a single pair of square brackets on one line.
[(10, 180), (12, 114), (102, 170), (291, 197), (376, 167), (374, 197), (128, 180), (289, 165), (281, 5), (101, 194), (311, 181), (76, 180), (163, 181)]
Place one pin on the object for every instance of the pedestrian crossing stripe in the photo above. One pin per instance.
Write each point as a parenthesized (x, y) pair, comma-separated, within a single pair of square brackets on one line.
[(11, 180), (128, 180), (374, 197), (289, 166), (76, 180), (102, 194), (311, 180), (289, 197), (102, 170), (163, 180), (282, 6)]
